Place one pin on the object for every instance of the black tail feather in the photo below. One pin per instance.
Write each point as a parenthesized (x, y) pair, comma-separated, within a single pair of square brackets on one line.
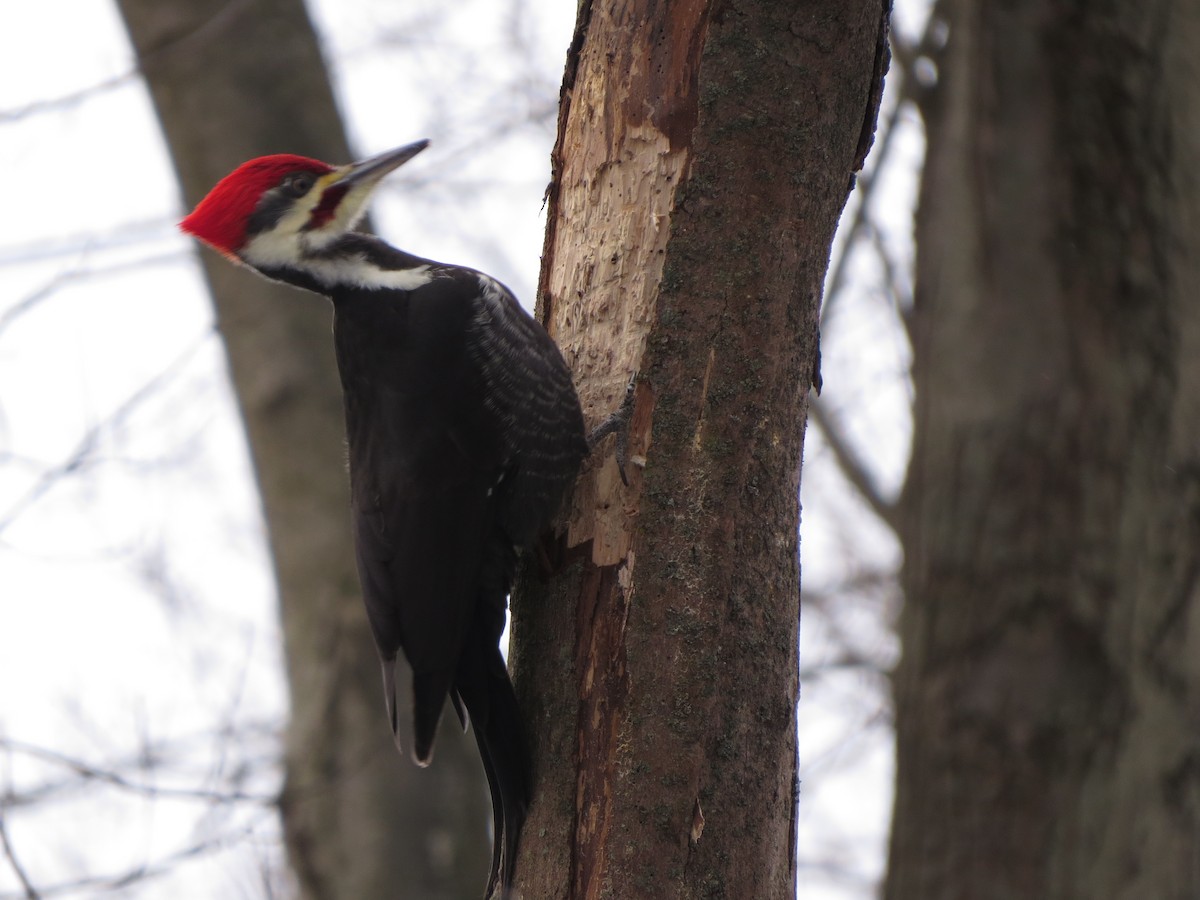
[(488, 696), (459, 710), (429, 696), (498, 822), (389, 698)]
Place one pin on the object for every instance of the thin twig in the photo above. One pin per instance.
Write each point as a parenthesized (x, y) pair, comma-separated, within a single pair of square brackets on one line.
[(87, 444), (31, 893), (852, 465), (79, 273), (206, 31), (116, 779), (866, 184), (66, 101), (154, 869)]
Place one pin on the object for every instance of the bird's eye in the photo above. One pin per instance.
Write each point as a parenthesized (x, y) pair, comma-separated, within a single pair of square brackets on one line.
[(298, 184)]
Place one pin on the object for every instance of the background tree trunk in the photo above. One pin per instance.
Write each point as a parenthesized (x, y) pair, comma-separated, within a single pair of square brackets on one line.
[(232, 81), (1046, 702), (704, 154)]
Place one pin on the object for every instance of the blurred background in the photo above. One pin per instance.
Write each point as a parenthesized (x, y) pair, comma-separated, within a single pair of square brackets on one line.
[(142, 696)]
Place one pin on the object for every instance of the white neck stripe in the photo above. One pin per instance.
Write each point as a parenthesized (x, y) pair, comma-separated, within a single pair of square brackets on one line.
[(357, 272)]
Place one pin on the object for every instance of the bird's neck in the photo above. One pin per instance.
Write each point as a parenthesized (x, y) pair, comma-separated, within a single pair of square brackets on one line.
[(354, 262)]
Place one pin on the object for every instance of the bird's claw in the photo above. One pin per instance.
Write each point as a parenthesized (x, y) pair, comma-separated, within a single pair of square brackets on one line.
[(617, 423)]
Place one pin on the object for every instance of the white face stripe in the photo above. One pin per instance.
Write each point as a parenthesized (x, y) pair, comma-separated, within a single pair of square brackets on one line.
[(288, 241), (289, 232), (273, 250), (345, 216), (289, 245)]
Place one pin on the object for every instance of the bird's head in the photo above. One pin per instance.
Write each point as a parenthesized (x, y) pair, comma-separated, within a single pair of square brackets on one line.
[(275, 211)]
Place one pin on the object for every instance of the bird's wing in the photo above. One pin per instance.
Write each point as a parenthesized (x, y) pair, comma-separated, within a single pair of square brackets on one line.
[(424, 461), (473, 434), (420, 551), (530, 393)]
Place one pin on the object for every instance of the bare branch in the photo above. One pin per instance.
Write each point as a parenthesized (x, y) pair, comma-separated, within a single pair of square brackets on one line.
[(79, 273), (87, 444), (904, 58), (145, 872), (846, 661), (30, 892), (853, 466), (114, 778), (125, 234), (836, 280), (206, 31), (899, 286), (29, 301), (67, 101)]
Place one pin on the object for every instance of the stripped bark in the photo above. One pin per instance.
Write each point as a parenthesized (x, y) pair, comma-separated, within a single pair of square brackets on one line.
[(704, 155)]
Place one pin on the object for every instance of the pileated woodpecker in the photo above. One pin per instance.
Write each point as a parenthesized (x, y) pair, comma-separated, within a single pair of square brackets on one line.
[(464, 431)]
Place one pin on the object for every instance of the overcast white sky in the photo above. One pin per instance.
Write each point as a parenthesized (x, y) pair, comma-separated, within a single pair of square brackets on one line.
[(136, 605)]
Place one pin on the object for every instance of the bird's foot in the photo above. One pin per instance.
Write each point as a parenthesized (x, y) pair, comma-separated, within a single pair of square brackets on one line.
[(617, 423)]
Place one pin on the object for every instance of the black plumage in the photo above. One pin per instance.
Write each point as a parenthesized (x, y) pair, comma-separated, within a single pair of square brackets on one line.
[(464, 434)]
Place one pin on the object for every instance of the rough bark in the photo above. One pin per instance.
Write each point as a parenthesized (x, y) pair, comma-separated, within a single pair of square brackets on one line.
[(704, 154), (231, 81), (1046, 702)]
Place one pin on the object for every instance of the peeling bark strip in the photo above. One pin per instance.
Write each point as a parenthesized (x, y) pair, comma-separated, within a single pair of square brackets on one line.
[(621, 153), (603, 610), (703, 158)]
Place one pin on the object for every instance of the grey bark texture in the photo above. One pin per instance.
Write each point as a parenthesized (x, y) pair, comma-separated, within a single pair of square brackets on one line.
[(1047, 699), (231, 81), (704, 154)]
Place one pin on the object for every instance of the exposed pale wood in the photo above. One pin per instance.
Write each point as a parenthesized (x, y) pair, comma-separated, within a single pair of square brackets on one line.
[(704, 155), (609, 241)]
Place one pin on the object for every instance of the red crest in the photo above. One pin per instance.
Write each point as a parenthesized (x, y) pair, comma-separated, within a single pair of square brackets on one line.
[(220, 218)]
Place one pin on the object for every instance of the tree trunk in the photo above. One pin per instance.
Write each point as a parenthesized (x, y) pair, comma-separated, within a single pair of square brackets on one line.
[(1046, 702), (232, 81), (704, 154)]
